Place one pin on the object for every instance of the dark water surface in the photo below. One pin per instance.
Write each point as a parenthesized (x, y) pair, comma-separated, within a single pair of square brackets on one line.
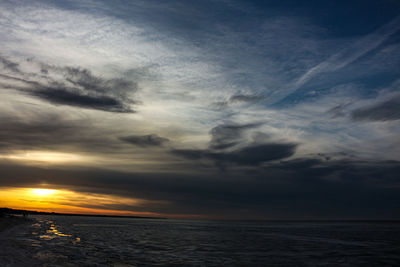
[(90, 241)]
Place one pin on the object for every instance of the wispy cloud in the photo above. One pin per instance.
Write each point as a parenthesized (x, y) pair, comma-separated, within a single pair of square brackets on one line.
[(150, 140), (229, 135), (71, 86), (356, 50), (165, 95), (250, 155), (384, 111), (346, 56)]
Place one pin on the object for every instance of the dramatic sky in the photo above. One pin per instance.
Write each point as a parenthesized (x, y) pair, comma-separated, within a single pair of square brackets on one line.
[(211, 109)]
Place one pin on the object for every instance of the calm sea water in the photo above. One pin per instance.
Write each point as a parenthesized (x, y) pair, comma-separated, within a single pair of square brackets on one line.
[(89, 241)]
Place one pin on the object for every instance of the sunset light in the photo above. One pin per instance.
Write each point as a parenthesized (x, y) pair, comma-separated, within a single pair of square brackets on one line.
[(186, 132), (43, 192), (46, 157), (68, 201)]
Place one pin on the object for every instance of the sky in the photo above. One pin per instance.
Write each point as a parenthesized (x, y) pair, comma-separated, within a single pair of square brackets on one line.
[(220, 109)]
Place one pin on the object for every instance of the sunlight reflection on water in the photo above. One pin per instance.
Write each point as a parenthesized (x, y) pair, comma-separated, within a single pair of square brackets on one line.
[(82, 241), (53, 233)]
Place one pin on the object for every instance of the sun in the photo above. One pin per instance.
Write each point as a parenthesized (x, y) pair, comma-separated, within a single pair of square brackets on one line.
[(42, 192)]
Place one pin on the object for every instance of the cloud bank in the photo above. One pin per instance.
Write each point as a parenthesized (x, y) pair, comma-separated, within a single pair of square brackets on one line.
[(226, 109)]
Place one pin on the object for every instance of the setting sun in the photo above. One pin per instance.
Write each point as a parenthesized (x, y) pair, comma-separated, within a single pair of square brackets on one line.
[(42, 192), (67, 201)]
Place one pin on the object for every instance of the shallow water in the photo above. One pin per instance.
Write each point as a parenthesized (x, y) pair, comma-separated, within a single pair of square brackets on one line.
[(91, 241)]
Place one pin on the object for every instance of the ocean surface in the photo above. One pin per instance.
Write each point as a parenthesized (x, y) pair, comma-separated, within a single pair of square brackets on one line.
[(93, 241)]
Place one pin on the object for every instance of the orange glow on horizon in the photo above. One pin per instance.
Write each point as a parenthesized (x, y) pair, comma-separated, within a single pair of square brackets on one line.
[(66, 201)]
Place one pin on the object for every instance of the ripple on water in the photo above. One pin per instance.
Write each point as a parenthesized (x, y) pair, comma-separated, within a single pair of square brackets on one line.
[(102, 241)]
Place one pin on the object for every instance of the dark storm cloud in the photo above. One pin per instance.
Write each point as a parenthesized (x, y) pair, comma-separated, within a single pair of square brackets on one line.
[(17, 132), (281, 49), (385, 111), (6, 78), (250, 155), (145, 140), (76, 87), (67, 96), (220, 105), (85, 79), (44, 131), (339, 110), (305, 187), (228, 135), (80, 88), (236, 99), (9, 65), (245, 98), (225, 137)]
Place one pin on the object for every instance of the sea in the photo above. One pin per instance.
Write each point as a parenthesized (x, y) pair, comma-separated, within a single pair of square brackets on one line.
[(99, 241)]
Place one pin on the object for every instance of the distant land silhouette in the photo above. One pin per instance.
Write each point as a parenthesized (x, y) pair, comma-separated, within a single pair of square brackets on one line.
[(8, 211)]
